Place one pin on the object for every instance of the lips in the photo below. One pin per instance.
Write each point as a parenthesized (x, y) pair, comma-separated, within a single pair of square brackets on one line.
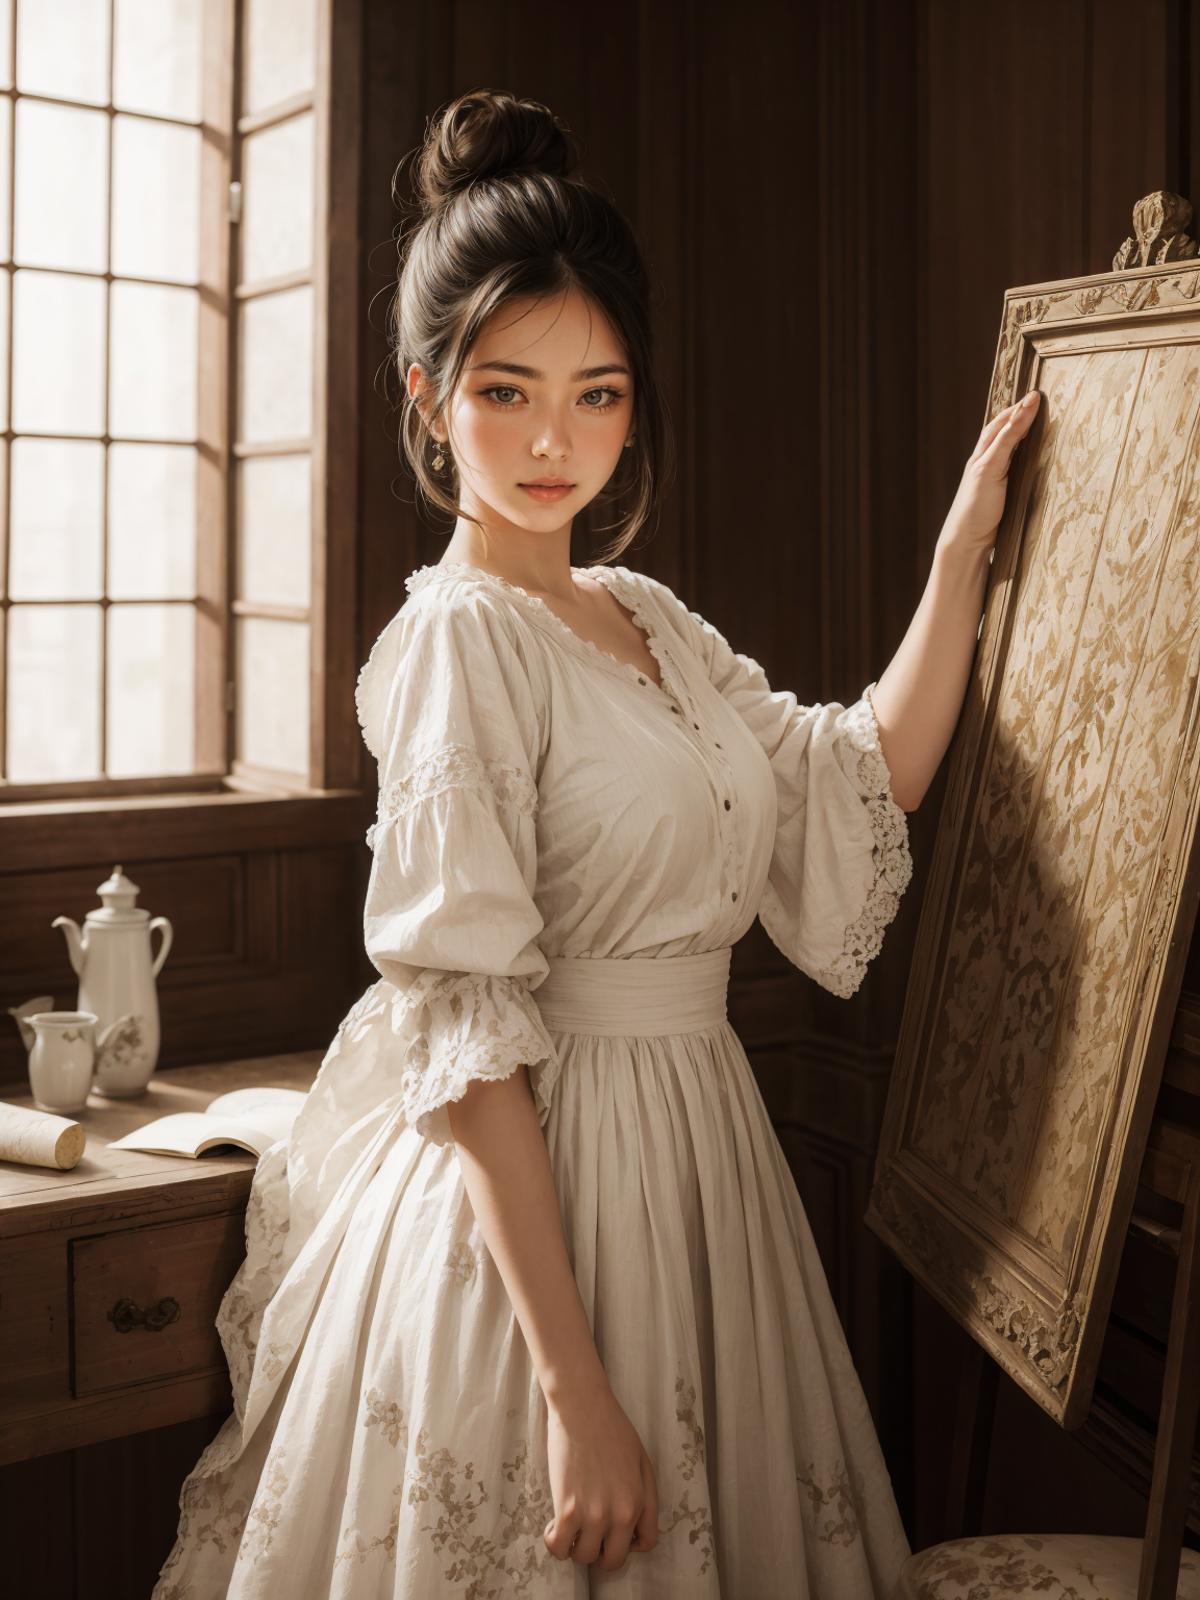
[(548, 483), (548, 492)]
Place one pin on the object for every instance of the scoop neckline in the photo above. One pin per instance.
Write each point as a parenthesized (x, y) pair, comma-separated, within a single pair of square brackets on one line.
[(621, 583)]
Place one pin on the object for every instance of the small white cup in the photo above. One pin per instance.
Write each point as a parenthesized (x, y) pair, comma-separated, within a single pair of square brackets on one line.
[(62, 1061)]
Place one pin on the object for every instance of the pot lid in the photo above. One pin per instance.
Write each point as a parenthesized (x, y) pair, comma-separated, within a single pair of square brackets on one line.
[(119, 894)]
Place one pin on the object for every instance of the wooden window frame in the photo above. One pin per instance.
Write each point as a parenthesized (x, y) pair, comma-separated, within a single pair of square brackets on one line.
[(227, 804)]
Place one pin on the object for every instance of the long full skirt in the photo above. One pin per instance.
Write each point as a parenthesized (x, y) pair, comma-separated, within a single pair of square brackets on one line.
[(389, 1434)]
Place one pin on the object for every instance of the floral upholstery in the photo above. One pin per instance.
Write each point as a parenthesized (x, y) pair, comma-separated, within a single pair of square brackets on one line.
[(1042, 1567)]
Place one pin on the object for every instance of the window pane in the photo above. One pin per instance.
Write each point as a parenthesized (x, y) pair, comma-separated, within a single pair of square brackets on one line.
[(278, 51), (151, 652), (272, 693), (57, 495), (53, 710), (154, 362), (276, 366), (58, 328), (6, 44), (277, 199), (6, 122), (156, 200), (152, 520), (274, 514), (62, 187), (156, 57), (4, 447), (5, 281), (45, 67)]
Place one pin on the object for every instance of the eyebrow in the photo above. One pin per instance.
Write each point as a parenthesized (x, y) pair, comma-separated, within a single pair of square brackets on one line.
[(532, 372)]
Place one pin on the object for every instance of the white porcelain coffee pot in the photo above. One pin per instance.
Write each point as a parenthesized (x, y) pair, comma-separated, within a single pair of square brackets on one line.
[(117, 968)]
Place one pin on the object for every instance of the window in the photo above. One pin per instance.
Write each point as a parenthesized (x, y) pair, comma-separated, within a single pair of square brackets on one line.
[(169, 183)]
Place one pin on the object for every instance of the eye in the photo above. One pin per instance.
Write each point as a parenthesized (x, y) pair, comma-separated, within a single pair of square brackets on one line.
[(501, 388), (604, 389)]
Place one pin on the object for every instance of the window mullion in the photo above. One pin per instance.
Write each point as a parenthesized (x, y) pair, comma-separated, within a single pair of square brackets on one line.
[(214, 467)]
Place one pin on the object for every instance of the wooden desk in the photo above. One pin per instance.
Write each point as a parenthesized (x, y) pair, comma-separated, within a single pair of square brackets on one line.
[(123, 1226)]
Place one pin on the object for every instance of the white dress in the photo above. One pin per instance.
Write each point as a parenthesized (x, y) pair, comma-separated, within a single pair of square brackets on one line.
[(563, 856)]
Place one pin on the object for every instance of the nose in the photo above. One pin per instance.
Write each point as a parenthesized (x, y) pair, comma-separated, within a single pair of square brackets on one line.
[(551, 449), (553, 440)]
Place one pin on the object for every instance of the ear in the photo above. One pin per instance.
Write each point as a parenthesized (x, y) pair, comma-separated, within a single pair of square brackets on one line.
[(417, 387)]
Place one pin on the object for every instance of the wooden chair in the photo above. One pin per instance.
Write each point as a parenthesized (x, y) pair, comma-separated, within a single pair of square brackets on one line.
[(1079, 1566)]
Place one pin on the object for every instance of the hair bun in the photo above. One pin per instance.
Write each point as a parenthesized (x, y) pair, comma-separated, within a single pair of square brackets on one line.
[(484, 134)]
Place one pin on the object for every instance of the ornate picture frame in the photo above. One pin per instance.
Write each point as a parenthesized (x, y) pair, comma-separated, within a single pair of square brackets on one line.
[(1064, 883)]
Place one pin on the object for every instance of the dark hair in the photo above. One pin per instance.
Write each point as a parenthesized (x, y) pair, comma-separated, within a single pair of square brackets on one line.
[(501, 216)]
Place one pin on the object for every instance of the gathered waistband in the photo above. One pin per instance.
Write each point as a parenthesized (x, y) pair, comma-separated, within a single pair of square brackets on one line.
[(638, 996)]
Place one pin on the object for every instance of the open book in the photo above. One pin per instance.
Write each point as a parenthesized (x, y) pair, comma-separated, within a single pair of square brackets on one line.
[(251, 1119)]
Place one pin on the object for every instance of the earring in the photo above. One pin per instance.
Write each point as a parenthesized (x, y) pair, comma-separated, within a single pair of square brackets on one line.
[(630, 440), (439, 459)]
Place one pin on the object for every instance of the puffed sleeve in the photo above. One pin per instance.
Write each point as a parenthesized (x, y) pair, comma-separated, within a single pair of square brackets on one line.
[(841, 856), (449, 917)]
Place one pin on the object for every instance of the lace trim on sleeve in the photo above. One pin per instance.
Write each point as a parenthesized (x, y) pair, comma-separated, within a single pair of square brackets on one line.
[(890, 852), (455, 766), (462, 1026)]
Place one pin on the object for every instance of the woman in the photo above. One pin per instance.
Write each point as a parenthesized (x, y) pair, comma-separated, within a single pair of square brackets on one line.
[(530, 1305)]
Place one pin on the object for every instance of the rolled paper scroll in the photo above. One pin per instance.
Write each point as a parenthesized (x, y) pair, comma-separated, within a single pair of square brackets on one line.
[(39, 1138)]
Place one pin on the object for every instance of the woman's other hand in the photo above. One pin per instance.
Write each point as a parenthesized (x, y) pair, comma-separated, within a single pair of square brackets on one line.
[(602, 1483)]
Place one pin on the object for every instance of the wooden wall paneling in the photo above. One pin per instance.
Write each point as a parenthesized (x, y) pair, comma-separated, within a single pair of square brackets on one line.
[(589, 77), (868, 566), (895, 548), (123, 1489), (315, 880), (1138, 57), (752, 263), (480, 43), (900, 546), (1035, 1485), (821, 1084), (999, 150), (640, 162), (844, 535), (407, 73), (35, 1330), (275, 935), (844, 306), (660, 183), (824, 1172), (203, 897), (166, 1456), (873, 561), (37, 1513)]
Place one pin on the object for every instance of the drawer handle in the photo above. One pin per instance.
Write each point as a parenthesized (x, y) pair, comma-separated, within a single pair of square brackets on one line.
[(126, 1315)]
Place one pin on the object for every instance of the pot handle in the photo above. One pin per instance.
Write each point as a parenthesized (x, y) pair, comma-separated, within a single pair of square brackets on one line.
[(168, 933)]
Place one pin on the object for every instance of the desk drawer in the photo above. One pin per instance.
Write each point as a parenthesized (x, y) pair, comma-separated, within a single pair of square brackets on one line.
[(145, 1301)]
